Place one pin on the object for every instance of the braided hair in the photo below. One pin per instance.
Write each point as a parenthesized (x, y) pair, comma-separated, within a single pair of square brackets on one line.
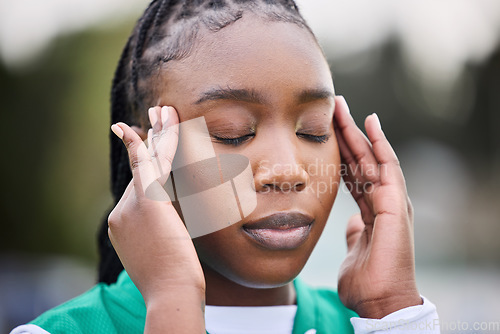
[(166, 31)]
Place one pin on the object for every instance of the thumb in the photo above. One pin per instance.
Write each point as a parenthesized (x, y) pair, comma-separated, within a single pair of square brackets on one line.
[(354, 229)]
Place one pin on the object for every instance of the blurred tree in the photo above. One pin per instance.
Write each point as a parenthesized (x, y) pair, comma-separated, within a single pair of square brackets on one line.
[(56, 120), (55, 162)]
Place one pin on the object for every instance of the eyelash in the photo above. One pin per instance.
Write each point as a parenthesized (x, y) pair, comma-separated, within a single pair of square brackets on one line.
[(233, 141), (317, 139), (240, 140)]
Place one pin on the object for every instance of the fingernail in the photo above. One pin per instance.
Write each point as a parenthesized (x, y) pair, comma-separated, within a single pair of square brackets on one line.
[(164, 115), (152, 116), (378, 121), (117, 131)]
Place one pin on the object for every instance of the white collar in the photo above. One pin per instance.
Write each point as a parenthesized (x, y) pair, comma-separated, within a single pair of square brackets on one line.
[(250, 319)]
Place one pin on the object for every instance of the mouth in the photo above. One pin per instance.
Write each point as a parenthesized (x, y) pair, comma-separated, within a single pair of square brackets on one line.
[(280, 231)]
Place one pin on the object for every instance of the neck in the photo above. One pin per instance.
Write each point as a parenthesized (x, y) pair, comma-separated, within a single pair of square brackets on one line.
[(221, 291)]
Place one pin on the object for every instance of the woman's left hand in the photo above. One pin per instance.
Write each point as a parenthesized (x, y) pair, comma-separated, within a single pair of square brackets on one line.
[(377, 276)]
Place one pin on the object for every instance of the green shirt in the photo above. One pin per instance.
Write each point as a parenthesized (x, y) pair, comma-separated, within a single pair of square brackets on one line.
[(119, 308)]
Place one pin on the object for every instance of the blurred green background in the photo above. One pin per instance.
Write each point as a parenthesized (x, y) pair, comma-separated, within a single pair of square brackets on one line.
[(430, 69), (56, 121)]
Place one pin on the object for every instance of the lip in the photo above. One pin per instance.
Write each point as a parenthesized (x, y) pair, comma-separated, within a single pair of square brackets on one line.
[(280, 231)]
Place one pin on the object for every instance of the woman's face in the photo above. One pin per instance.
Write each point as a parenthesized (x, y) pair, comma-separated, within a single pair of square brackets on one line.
[(266, 92)]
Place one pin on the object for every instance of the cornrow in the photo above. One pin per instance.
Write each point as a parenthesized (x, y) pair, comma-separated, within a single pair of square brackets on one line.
[(144, 26), (216, 4), (186, 10), (160, 14), (139, 60), (291, 4)]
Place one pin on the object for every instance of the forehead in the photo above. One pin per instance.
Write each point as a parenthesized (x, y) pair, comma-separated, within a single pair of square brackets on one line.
[(252, 53)]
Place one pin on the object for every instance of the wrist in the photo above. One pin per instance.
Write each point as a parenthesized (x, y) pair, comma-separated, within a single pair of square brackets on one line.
[(166, 295), (181, 310), (381, 307)]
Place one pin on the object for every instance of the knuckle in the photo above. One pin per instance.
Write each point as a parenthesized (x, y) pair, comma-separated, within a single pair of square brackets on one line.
[(155, 134), (349, 159), (113, 220), (360, 157), (395, 162), (410, 206), (165, 163), (130, 144), (155, 154), (135, 162), (169, 160), (174, 129)]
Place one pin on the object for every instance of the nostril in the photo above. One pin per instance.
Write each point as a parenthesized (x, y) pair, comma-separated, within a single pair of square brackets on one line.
[(297, 186), (271, 186), (280, 177), (284, 186), (300, 186)]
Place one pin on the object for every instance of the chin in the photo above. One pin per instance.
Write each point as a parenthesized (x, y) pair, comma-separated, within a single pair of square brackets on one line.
[(261, 278), (252, 266), (267, 280)]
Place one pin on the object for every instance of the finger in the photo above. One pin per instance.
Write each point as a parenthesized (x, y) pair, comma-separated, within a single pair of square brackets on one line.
[(364, 204), (355, 185), (355, 179), (165, 142), (151, 151), (354, 230), (125, 196), (140, 161), (154, 119), (154, 115), (361, 153), (349, 165), (390, 170)]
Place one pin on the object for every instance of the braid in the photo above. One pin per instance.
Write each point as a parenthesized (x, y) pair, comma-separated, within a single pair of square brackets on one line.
[(135, 64), (186, 10), (291, 5), (161, 13), (110, 265), (216, 4), (145, 25), (121, 111)]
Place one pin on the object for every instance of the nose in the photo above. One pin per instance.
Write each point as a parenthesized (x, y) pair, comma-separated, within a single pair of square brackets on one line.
[(280, 169)]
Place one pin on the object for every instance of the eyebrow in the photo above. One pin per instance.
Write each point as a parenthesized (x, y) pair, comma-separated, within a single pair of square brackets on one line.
[(252, 96), (315, 94), (245, 95)]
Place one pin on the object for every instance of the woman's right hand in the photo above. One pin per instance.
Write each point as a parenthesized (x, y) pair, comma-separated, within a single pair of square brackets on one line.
[(149, 236)]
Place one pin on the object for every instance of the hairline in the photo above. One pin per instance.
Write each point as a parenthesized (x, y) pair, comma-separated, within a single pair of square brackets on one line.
[(186, 29)]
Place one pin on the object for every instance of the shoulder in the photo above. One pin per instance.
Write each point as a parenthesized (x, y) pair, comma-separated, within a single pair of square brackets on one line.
[(324, 306), (325, 299), (114, 308), (28, 329)]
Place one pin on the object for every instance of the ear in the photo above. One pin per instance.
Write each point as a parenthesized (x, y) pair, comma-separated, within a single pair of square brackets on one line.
[(140, 131)]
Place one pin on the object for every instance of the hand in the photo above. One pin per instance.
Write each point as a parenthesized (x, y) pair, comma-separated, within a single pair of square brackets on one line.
[(150, 237), (378, 275)]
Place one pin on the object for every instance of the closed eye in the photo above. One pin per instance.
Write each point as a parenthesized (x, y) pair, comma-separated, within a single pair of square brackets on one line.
[(314, 138), (233, 141)]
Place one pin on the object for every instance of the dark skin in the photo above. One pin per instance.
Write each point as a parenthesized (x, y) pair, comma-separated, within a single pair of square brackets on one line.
[(287, 103), (269, 83)]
